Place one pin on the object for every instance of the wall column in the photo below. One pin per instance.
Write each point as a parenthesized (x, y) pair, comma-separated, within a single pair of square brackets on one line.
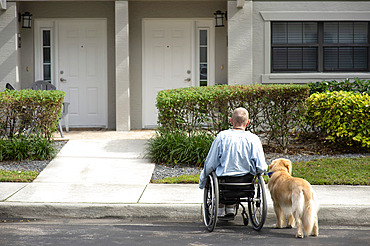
[(122, 66), (240, 46)]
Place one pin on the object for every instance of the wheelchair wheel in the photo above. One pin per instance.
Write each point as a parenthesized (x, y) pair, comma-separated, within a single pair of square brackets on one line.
[(210, 202), (257, 206)]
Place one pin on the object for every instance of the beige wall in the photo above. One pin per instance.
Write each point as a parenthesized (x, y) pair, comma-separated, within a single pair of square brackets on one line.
[(139, 10), (70, 10)]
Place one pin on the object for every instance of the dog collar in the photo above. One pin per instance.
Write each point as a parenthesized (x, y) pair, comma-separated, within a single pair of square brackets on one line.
[(269, 174)]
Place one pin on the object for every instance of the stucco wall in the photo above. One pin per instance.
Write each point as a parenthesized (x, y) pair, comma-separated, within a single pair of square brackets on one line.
[(70, 10), (139, 10), (338, 10), (9, 52)]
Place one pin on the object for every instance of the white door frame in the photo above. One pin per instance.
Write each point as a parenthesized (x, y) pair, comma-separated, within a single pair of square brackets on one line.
[(197, 24), (53, 25)]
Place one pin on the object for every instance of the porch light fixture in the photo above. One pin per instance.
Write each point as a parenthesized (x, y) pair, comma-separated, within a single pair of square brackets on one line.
[(26, 20), (219, 17)]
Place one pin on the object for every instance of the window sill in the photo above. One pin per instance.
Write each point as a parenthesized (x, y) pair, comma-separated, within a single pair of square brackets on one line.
[(303, 78)]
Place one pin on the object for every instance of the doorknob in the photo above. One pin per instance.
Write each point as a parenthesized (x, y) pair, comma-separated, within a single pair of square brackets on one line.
[(62, 80)]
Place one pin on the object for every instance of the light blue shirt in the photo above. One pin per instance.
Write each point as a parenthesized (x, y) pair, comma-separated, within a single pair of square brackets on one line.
[(234, 153)]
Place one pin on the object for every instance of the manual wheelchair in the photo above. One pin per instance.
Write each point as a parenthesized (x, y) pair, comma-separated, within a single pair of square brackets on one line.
[(235, 190)]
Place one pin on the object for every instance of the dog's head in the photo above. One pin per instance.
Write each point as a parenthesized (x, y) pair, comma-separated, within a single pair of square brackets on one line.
[(281, 165)]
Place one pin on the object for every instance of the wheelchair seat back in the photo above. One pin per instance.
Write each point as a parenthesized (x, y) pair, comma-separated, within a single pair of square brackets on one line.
[(233, 188)]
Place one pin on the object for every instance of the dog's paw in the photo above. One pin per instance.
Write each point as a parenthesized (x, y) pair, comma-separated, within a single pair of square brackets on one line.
[(299, 235), (315, 234)]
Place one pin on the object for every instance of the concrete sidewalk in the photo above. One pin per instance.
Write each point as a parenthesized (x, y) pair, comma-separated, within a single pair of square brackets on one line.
[(107, 176)]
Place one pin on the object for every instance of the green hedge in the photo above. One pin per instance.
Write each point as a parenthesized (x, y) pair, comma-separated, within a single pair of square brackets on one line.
[(28, 112), (355, 85), (342, 116), (275, 109)]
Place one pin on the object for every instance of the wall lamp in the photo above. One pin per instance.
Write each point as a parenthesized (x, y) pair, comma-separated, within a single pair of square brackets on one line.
[(26, 19), (219, 17)]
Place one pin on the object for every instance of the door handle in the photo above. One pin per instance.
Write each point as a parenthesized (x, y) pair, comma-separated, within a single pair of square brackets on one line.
[(187, 79), (62, 80)]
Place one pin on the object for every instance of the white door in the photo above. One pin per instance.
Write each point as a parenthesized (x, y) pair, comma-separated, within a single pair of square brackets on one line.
[(82, 70), (167, 61)]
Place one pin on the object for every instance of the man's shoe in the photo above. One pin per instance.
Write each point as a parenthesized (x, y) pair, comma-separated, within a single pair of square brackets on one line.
[(230, 211), (221, 212)]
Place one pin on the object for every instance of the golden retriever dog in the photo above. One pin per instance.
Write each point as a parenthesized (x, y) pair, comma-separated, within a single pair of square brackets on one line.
[(294, 198)]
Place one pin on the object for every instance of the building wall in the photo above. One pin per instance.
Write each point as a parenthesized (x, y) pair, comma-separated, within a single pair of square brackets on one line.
[(240, 43), (70, 10), (9, 52), (249, 37), (139, 10), (327, 10)]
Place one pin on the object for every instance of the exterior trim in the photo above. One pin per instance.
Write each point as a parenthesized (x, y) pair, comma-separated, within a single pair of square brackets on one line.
[(315, 15)]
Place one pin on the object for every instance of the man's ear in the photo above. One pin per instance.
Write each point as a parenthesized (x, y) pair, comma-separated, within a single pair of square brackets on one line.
[(231, 121), (249, 121)]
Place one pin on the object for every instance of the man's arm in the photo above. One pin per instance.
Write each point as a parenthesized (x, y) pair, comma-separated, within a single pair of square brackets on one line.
[(259, 156), (211, 162)]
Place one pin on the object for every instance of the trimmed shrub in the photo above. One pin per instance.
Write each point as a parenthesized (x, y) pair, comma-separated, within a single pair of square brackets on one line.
[(357, 85), (274, 109), (27, 112), (341, 116)]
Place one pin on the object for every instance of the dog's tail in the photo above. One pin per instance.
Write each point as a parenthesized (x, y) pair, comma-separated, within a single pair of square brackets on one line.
[(310, 211)]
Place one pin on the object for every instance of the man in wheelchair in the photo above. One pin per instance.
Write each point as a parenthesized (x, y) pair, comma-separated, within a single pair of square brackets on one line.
[(234, 153)]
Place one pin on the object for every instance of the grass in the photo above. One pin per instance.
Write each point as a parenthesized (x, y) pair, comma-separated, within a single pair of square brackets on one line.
[(332, 171), (335, 171), (17, 176), (183, 179)]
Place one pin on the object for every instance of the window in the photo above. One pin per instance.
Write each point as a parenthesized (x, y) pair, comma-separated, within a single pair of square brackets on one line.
[(46, 55), (203, 57), (320, 46)]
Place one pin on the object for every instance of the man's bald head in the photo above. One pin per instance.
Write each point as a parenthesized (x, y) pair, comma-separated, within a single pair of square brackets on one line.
[(240, 117)]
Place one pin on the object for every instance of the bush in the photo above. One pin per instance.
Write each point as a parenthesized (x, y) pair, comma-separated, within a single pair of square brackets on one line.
[(341, 116), (274, 109), (357, 85), (20, 148), (28, 112), (178, 147)]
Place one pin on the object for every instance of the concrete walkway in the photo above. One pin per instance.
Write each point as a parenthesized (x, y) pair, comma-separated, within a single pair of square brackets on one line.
[(105, 174)]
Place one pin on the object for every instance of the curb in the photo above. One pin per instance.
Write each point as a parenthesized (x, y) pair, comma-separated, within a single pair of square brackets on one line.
[(339, 215)]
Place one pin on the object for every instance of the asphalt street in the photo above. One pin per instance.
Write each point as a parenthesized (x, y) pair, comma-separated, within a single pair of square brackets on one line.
[(95, 232)]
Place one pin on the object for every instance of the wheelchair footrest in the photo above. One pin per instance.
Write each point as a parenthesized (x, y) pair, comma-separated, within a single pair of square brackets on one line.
[(227, 217)]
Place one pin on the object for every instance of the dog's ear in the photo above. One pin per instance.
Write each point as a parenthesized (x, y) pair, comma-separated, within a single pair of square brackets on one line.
[(272, 164), (288, 165)]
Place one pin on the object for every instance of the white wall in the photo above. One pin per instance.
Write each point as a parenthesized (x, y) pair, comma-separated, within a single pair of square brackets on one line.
[(240, 45), (249, 36), (69, 9), (9, 53), (122, 67), (298, 10), (167, 9)]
